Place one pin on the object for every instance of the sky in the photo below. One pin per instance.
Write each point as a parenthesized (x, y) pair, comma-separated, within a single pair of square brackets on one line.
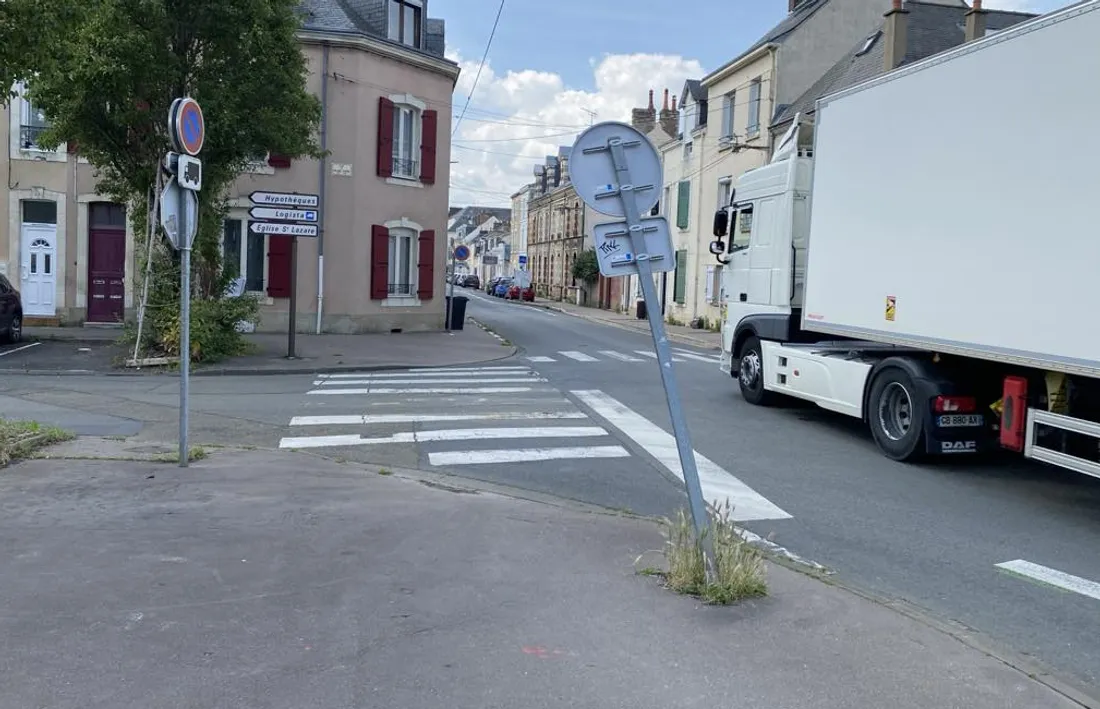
[(552, 63)]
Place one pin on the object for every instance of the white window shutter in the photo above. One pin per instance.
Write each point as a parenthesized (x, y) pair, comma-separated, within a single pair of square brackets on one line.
[(710, 284)]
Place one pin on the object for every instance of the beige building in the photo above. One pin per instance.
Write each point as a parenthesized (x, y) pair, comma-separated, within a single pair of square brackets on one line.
[(380, 260)]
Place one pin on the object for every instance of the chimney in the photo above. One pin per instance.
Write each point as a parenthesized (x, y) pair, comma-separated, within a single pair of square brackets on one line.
[(975, 22), (644, 119), (670, 117), (896, 41)]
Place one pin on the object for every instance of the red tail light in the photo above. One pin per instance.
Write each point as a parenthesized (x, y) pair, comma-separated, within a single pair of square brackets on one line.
[(954, 404)]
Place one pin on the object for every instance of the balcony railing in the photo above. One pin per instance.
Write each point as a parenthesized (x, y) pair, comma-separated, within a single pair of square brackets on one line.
[(404, 168), (28, 136), (400, 289)]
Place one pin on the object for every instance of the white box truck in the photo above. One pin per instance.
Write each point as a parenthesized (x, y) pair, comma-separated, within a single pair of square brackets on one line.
[(932, 264)]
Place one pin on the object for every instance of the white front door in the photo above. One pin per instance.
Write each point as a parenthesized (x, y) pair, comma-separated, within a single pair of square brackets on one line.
[(38, 270)]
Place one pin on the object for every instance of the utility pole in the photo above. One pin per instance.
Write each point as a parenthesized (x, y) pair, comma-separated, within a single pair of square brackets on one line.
[(591, 116)]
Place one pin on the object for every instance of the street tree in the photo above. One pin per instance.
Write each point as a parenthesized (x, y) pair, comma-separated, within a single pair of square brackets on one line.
[(105, 72)]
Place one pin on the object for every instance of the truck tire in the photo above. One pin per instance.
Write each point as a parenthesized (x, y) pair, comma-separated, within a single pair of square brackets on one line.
[(750, 374), (896, 414)]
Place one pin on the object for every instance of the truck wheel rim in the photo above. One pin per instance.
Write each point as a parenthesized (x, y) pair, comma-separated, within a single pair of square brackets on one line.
[(895, 411), (750, 369)]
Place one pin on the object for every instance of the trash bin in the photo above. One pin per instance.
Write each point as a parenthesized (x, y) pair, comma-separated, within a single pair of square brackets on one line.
[(457, 305), (639, 310)]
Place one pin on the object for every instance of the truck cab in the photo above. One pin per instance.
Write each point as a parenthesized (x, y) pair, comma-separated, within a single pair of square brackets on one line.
[(764, 260)]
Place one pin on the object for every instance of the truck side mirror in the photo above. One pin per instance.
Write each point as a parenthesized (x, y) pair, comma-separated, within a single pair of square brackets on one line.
[(717, 247), (721, 222)]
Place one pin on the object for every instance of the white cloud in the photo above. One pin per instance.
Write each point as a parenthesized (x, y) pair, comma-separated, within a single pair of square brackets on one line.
[(515, 120)]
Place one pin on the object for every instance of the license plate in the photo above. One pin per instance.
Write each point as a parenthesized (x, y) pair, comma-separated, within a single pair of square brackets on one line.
[(957, 420)]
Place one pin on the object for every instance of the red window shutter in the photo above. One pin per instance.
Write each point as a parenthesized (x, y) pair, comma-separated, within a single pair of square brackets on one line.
[(379, 262), (425, 265), (385, 137), (428, 137), (277, 160), (278, 265)]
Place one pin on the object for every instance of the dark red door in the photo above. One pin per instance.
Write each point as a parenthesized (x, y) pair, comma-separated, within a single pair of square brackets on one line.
[(106, 262)]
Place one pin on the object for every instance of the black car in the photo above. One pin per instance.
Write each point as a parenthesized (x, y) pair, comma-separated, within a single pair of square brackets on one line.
[(11, 312), (471, 281)]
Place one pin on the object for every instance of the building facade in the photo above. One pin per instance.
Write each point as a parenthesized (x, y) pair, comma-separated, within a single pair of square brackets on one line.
[(378, 265), (518, 239)]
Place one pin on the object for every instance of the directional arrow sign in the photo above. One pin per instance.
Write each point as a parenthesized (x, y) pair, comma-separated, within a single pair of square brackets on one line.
[(289, 215), (283, 228), (284, 199)]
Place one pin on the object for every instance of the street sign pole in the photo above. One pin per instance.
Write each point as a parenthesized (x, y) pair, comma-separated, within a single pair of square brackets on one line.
[(451, 291), (615, 192), (185, 334), (293, 296)]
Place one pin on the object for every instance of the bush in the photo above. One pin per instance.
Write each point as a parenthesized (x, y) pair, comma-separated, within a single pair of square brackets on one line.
[(587, 267), (214, 333)]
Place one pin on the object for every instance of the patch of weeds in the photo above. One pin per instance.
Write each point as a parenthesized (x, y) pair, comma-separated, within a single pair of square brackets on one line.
[(650, 571), (195, 453), (385, 471), (19, 439), (505, 342), (739, 570)]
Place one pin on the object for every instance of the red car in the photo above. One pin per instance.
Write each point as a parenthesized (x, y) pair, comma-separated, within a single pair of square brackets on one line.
[(517, 293)]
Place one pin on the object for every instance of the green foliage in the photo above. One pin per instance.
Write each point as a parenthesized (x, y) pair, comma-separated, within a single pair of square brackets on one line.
[(105, 72), (586, 267), (738, 568)]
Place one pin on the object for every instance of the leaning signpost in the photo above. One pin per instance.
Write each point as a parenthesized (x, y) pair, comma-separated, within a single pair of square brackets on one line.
[(616, 171), (179, 215), (458, 253), (286, 214)]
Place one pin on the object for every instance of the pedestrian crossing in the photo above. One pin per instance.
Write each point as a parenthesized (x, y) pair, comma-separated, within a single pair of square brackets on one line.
[(503, 419), (570, 356), (459, 416)]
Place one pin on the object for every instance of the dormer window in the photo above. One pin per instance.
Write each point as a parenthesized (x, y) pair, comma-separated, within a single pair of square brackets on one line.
[(404, 21)]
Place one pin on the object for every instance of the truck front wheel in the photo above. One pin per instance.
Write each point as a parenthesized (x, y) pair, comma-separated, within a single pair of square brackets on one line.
[(750, 374), (896, 414)]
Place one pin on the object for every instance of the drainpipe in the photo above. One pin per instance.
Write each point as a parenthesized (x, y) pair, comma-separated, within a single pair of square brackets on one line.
[(322, 165)]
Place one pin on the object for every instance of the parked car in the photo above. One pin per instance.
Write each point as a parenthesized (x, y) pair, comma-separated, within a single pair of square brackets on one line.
[(471, 281), (502, 286), (11, 312), (491, 285), (517, 293)]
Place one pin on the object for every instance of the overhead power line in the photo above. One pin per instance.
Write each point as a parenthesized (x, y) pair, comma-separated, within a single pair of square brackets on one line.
[(480, 66)]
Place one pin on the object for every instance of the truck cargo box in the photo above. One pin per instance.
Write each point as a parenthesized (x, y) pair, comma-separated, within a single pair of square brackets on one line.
[(956, 201)]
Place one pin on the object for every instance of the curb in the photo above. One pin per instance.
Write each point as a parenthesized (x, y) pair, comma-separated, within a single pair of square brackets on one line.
[(682, 339), (506, 352)]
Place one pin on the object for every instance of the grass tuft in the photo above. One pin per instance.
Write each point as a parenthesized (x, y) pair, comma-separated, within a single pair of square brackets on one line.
[(739, 570), (19, 439)]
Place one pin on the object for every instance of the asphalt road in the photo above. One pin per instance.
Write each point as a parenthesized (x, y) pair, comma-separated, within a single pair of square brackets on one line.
[(930, 535), (808, 480)]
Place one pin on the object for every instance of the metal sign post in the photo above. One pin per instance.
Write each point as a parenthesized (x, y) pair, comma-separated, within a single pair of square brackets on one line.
[(287, 214), (458, 253), (180, 210), (626, 184)]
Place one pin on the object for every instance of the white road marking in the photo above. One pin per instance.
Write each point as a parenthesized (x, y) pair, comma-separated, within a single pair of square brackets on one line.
[(1053, 577), (20, 349), (427, 418), (653, 355), (524, 455), (429, 371), (619, 356), (470, 390), (454, 434), (579, 356), (387, 382), (541, 359), (697, 357), (718, 485)]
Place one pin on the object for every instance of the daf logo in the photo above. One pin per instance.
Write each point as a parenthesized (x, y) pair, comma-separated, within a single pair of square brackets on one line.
[(958, 446)]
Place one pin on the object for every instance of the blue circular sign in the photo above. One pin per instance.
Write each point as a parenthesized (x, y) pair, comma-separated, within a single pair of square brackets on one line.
[(190, 128), (462, 252)]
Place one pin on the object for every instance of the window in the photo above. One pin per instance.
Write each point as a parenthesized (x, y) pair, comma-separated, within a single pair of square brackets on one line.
[(742, 227), (404, 22), (725, 192), (243, 254), (39, 212), (401, 263), (727, 114), (32, 124), (683, 203), (754, 108), (404, 142)]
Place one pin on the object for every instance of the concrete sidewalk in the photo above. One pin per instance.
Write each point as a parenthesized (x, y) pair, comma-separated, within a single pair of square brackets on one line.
[(678, 333), (79, 350), (287, 581)]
